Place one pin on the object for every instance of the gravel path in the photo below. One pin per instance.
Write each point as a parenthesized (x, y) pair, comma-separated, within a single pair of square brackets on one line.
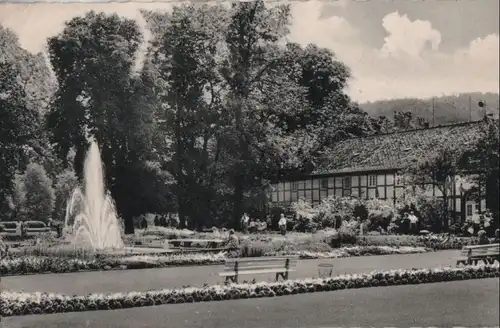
[(472, 303), (142, 280)]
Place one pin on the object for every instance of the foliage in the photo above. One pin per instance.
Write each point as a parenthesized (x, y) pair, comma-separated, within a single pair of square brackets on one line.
[(33, 196), (18, 127), (110, 106), (65, 183), (429, 210), (485, 155), (439, 169), (445, 109)]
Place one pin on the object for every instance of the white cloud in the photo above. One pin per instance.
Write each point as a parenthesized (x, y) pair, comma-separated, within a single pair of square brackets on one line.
[(409, 63), (408, 37)]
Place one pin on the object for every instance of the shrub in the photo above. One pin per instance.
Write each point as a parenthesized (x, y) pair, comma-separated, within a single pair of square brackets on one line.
[(66, 182), (34, 195), (380, 214), (429, 209)]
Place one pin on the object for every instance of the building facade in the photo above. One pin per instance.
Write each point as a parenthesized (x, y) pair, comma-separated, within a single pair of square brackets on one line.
[(370, 168)]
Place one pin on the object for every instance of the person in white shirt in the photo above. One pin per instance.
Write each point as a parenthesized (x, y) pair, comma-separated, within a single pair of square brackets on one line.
[(282, 224), (245, 220), (413, 222)]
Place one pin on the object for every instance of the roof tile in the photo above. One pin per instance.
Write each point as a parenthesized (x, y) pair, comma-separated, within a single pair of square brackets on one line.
[(394, 150)]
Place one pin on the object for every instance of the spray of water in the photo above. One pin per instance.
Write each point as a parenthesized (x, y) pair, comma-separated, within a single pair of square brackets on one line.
[(91, 218)]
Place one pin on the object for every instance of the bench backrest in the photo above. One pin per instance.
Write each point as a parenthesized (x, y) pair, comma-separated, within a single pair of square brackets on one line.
[(260, 263), (481, 250)]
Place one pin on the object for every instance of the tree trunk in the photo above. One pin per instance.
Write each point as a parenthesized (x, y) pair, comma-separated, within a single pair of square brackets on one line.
[(238, 200), (128, 221)]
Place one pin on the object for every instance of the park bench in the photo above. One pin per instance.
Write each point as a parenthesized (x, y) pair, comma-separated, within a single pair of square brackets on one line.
[(281, 266), (473, 254)]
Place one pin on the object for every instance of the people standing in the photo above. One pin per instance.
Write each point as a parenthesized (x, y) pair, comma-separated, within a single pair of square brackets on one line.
[(282, 224), (413, 222), (245, 220)]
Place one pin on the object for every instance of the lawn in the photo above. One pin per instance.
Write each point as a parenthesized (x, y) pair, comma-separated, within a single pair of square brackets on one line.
[(83, 283), (473, 303)]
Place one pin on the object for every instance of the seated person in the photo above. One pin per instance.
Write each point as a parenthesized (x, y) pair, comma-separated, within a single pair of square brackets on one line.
[(483, 239)]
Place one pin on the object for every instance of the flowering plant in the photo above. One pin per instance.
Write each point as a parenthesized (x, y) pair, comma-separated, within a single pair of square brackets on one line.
[(19, 303)]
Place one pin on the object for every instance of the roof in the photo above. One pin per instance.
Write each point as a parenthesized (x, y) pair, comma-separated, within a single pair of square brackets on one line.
[(395, 150)]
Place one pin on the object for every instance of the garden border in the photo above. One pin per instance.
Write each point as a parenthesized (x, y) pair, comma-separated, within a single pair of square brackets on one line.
[(16, 304)]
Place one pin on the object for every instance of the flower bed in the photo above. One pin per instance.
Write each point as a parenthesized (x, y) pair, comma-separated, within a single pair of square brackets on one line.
[(353, 251), (36, 265), (436, 242), (15, 303)]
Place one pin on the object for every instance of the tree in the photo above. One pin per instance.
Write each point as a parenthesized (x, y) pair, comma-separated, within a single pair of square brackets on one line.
[(93, 59), (437, 168), (236, 112), (18, 127), (183, 53), (485, 156), (39, 201), (65, 183), (33, 196)]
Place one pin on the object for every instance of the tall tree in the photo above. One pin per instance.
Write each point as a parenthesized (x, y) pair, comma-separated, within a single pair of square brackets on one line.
[(484, 158), (182, 56), (93, 59)]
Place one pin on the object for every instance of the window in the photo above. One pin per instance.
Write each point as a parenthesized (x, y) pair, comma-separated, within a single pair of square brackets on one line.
[(381, 192), (287, 186), (308, 184), (362, 193), (371, 193), (338, 182), (294, 197), (308, 195), (347, 183), (389, 179), (302, 184), (347, 192), (381, 179), (323, 193), (274, 196), (390, 192), (372, 180), (324, 183), (458, 203), (468, 209), (287, 196), (295, 185)]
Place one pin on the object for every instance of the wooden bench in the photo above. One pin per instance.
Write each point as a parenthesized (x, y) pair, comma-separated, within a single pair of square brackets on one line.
[(281, 266), (473, 254)]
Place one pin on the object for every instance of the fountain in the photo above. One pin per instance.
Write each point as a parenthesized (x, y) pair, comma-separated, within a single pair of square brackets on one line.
[(91, 218)]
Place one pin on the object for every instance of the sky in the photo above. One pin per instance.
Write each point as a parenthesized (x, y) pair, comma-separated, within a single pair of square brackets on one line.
[(394, 48)]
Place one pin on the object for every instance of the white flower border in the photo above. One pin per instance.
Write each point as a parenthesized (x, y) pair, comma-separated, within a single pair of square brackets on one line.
[(19, 303)]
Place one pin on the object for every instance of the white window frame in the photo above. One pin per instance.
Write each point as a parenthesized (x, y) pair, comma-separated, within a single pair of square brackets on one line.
[(372, 180)]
